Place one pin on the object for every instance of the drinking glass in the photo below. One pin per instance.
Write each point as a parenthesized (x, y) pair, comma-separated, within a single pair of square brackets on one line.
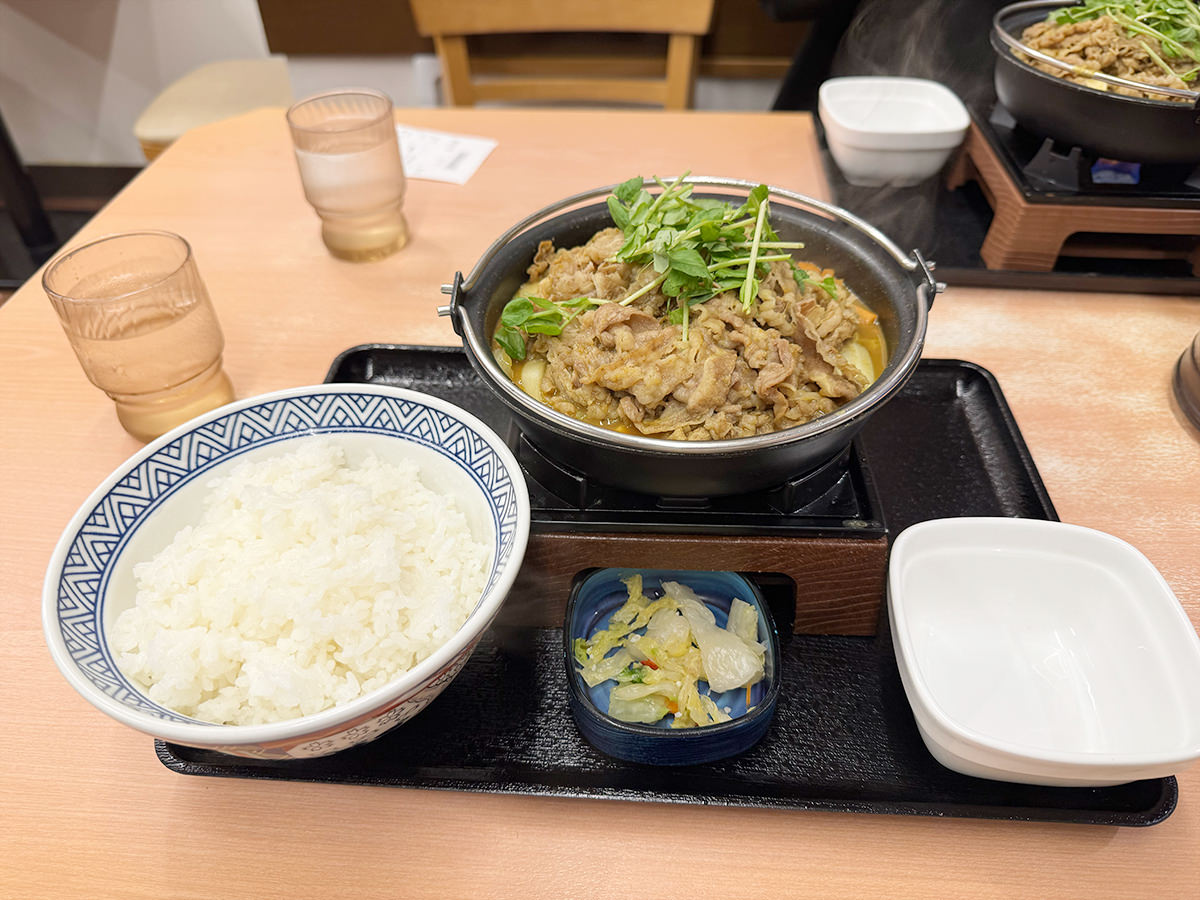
[(141, 322), (349, 159)]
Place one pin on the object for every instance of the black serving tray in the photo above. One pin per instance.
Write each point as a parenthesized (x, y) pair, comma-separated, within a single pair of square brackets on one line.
[(843, 737)]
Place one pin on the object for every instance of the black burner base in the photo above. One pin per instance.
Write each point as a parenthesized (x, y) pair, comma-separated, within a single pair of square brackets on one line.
[(837, 496), (1053, 173)]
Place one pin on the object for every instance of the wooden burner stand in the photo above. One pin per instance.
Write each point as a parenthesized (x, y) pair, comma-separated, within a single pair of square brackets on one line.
[(1030, 237), (839, 581)]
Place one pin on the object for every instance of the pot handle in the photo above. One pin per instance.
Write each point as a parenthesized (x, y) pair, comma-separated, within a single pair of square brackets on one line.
[(924, 273), (453, 309)]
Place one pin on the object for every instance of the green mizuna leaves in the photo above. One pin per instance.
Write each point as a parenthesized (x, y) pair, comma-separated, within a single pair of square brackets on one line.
[(523, 316), (697, 247), (1175, 24)]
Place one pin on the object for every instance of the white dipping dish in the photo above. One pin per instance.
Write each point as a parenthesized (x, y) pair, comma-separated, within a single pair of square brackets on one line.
[(1043, 653), (886, 131)]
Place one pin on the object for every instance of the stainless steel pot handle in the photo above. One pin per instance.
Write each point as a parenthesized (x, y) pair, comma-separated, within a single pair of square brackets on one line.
[(915, 263), (1014, 44), (454, 291)]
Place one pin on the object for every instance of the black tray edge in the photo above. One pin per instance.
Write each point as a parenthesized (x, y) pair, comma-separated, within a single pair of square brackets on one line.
[(342, 361), (175, 758), (1010, 422)]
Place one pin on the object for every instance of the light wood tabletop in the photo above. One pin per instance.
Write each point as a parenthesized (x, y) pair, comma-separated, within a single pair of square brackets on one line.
[(88, 810)]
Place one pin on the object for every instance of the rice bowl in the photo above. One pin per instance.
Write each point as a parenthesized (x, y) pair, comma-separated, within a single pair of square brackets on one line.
[(140, 508), (307, 582)]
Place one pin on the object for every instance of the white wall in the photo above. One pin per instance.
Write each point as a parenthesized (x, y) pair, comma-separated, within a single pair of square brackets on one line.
[(75, 74)]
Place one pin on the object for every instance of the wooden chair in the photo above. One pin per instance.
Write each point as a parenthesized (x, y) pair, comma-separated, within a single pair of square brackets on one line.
[(526, 78), (210, 93)]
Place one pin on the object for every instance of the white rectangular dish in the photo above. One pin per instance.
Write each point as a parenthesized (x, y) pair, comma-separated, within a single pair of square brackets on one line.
[(1043, 653), (889, 131)]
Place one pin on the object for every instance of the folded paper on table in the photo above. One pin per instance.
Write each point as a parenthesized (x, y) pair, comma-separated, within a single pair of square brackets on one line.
[(441, 156)]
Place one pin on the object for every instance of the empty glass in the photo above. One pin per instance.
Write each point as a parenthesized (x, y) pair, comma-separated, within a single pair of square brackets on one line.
[(141, 322), (349, 159)]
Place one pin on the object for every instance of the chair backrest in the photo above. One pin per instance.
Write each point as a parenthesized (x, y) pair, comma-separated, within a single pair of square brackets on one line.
[(451, 22)]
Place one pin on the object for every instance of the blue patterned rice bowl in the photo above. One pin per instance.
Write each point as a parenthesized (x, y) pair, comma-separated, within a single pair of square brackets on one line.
[(140, 507)]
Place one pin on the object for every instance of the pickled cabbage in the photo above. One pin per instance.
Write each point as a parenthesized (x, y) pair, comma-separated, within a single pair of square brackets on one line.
[(660, 651)]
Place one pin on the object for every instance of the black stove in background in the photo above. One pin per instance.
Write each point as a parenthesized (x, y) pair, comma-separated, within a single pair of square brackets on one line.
[(949, 226), (1047, 171)]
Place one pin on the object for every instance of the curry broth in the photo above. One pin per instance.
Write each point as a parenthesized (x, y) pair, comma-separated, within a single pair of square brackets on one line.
[(870, 335)]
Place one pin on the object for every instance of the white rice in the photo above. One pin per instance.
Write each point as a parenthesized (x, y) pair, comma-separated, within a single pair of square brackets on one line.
[(306, 583)]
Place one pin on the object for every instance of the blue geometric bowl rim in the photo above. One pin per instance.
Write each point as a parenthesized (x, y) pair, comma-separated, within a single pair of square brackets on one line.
[(508, 503), (582, 702)]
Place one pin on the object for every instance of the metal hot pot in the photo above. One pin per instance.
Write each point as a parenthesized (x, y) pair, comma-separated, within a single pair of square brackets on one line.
[(1135, 129), (898, 286)]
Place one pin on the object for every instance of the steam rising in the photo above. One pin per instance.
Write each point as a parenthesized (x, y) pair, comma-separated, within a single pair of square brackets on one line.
[(941, 40)]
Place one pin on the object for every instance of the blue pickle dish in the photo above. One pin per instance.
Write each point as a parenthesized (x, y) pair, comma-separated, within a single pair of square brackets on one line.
[(595, 595)]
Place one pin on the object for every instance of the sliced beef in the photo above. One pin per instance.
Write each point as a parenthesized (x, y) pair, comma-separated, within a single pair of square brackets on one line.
[(1103, 45), (737, 374)]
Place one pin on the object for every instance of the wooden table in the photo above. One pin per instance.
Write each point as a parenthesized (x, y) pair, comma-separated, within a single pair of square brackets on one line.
[(88, 811)]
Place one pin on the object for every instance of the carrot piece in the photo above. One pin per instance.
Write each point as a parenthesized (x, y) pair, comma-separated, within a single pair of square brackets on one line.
[(865, 316)]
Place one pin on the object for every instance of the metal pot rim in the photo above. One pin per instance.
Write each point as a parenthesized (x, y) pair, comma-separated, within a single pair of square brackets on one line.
[(925, 288)]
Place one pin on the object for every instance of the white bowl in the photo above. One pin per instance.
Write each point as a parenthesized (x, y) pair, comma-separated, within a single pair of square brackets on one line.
[(1043, 653), (890, 131), (138, 509)]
